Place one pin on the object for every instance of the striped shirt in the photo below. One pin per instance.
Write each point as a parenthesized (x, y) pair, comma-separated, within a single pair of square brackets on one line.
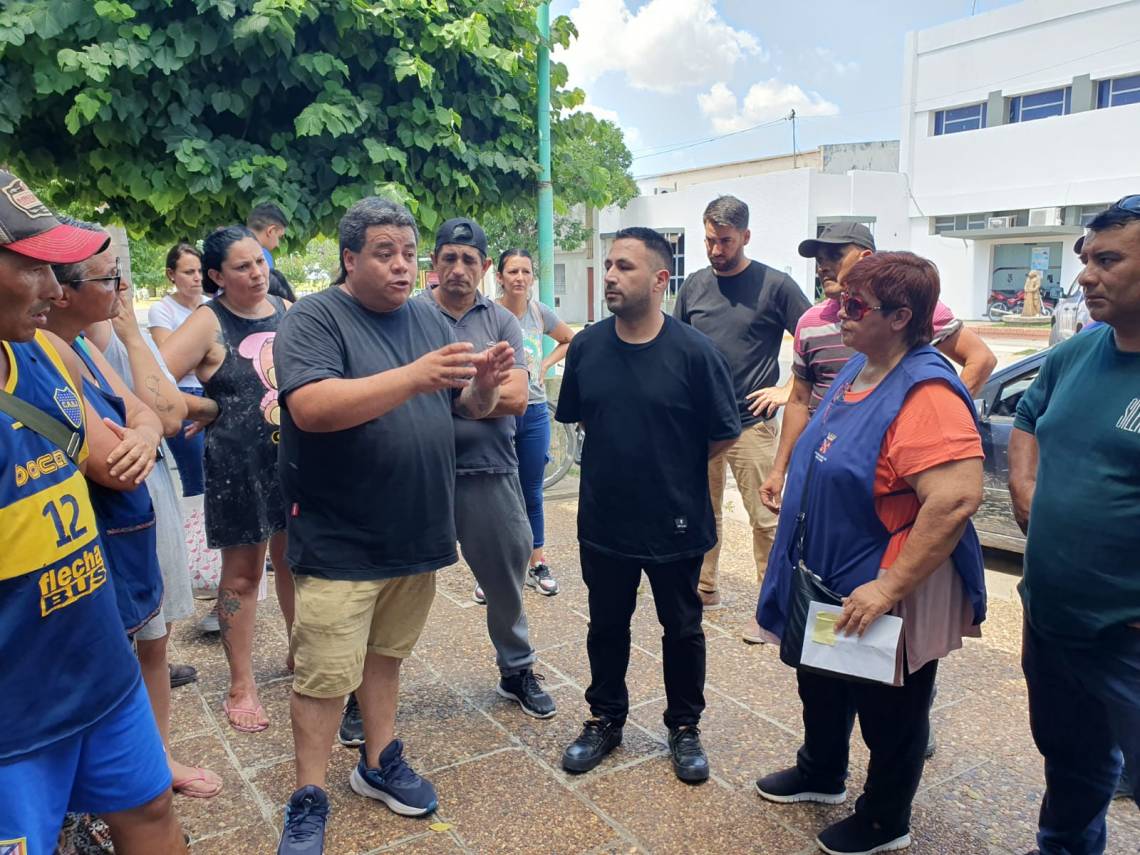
[(819, 351)]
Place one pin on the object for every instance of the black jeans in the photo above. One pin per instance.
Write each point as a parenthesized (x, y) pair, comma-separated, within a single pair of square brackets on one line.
[(895, 723), (612, 583)]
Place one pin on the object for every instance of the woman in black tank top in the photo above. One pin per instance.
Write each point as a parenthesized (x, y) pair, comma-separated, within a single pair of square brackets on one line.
[(228, 343)]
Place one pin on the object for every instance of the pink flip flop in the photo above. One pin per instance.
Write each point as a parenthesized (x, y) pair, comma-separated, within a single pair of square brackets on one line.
[(258, 711), (184, 788)]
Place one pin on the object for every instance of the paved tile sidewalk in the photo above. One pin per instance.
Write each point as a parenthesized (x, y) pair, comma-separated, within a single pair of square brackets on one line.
[(500, 785)]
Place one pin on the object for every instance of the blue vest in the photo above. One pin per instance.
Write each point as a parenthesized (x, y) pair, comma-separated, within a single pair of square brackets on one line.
[(844, 538), (126, 519), (64, 660)]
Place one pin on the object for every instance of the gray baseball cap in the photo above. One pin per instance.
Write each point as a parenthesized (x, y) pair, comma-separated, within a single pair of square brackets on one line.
[(839, 234)]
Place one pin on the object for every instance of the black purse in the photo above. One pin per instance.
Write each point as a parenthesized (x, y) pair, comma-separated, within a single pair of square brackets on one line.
[(805, 587)]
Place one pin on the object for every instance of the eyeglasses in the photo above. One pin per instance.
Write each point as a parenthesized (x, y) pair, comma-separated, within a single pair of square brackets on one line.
[(855, 308), (117, 278), (1129, 203)]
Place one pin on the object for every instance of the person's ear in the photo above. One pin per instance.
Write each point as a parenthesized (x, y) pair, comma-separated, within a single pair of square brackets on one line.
[(902, 318), (215, 277), (487, 265), (661, 281), (747, 237), (348, 259), (867, 253)]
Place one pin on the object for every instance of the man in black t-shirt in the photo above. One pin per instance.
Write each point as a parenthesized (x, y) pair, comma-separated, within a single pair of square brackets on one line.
[(744, 307), (656, 398), (368, 382)]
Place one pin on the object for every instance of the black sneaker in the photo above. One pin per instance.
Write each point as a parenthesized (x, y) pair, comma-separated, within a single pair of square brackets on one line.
[(790, 786), (598, 738), (305, 817), (690, 763), (856, 835), (931, 745), (351, 733), (524, 688), (180, 675)]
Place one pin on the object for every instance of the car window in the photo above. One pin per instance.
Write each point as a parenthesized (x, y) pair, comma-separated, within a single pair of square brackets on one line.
[(1074, 289), (1011, 392)]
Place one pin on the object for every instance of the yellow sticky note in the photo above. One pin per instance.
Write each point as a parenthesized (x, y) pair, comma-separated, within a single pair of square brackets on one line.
[(823, 630)]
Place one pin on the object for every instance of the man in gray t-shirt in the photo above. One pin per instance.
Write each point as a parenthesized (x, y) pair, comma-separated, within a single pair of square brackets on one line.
[(490, 515)]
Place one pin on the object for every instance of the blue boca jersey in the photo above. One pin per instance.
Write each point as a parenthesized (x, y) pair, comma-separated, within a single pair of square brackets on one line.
[(64, 659)]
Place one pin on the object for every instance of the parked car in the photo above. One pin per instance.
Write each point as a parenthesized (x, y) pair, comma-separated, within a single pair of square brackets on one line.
[(1070, 316), (997, 405)]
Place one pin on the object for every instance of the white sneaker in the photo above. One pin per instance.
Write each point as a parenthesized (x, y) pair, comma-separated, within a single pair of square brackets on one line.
[(478, 596)]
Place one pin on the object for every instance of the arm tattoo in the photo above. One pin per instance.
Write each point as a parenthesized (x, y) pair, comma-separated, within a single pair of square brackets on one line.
[(161, 404)]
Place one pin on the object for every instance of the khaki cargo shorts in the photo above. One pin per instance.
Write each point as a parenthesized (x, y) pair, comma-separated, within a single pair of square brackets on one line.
[(338, 621)]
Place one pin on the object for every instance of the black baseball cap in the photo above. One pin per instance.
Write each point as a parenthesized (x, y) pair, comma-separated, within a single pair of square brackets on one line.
[(462, 231), (839, 234), (27, 227)]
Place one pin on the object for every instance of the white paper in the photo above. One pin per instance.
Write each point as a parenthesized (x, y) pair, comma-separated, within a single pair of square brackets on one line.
[(871, 656)]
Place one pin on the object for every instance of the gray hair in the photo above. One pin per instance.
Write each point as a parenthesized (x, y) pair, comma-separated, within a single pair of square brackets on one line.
[(727, 211), (370, 211), (70, 272)]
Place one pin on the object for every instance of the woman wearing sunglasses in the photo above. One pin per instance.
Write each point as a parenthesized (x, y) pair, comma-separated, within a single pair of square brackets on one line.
[(885, 478)]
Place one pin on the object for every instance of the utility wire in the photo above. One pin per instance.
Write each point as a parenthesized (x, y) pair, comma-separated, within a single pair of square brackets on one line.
[(668, 148)]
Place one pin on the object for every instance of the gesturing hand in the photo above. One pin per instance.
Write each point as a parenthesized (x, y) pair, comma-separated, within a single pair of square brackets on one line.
[(450, 367), (493, 366), (866, 604), (134, 456)]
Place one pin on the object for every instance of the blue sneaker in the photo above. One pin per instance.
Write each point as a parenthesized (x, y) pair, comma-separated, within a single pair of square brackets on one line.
[(394, 783), (305, 817)]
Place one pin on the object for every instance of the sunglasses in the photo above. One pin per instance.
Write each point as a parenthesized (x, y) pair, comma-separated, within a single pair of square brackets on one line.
[(855, 309), (116, 279), (1129, 203)]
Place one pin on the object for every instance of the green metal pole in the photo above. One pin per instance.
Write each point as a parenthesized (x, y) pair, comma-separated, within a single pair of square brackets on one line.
[(545, 186)]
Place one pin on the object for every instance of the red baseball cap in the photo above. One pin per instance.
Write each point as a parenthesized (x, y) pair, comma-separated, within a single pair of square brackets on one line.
[(29, 228)]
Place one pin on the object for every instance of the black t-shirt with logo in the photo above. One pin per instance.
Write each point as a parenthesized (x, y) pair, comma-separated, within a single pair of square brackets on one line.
[(374, 501), (650, 412), (745, 315)]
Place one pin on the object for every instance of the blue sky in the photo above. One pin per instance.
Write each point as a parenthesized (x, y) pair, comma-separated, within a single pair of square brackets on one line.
[(672, 72)]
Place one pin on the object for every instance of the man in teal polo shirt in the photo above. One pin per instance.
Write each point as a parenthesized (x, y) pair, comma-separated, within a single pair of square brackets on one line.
[(1074, 458)]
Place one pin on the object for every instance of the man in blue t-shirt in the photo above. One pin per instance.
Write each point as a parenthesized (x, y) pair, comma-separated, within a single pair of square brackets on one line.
[(76, 730), (657, 401), (369, 381), (1081, 587)]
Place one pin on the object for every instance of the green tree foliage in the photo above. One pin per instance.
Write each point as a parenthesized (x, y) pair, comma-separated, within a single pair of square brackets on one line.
[(590, 165), (175, 116)]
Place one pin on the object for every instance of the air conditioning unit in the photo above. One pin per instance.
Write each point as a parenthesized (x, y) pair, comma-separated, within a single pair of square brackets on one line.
[(1001, 222), (1044, 216)]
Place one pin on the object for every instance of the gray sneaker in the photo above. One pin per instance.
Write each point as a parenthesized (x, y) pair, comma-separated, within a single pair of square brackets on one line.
[(209, 624)]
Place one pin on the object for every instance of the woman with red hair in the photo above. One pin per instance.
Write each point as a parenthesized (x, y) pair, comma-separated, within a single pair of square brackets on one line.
[(877, 504)]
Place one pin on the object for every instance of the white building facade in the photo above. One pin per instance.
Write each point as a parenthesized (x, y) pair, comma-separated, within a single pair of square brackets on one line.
[(1018, 125)]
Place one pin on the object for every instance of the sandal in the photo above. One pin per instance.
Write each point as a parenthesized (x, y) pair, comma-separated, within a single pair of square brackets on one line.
[(185, 786), (258, 711)]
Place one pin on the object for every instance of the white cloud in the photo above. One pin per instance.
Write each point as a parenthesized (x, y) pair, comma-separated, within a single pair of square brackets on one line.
[(765, 101), (830, 60), (665, 46), (632, 135)]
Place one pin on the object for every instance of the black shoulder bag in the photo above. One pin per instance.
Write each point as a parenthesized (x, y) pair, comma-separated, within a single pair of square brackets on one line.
[(51, 429), (805, 587)]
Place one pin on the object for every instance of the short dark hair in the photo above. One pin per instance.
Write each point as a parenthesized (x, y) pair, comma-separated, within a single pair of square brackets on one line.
[(265, 215), (653, 241), (727, 211), (370, 211), (178, 250), (512, 253), (66, 273), (216, 247), (901, 280)]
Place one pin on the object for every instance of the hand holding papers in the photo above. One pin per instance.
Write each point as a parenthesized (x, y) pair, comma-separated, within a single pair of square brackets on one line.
[(872, 656)]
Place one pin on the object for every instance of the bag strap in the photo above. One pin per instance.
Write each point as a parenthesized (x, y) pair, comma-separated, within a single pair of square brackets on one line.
[(801, 516), (51, 429)]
